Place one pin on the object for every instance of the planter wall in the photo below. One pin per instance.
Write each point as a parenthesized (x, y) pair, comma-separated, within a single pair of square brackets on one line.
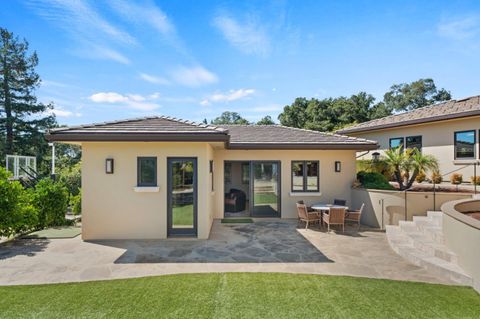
[(383, 207)]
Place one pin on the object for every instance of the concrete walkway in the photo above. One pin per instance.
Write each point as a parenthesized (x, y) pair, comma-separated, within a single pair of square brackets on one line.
[(265, 246)]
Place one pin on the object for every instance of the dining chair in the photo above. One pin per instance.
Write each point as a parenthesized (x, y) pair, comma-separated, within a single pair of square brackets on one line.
[(306, 216), (354, 215), (339, 202), (336, 216)]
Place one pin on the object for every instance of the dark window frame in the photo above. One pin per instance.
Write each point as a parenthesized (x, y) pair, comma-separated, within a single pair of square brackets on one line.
[(305, 177), (421, 141), (402, 145), (474, 145), (139, 183)]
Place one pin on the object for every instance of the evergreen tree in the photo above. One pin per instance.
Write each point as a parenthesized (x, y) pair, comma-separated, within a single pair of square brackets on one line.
[(23, 120)]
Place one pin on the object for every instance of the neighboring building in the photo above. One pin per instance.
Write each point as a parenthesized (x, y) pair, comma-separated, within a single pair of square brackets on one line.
[(158, 177), (449, 131)]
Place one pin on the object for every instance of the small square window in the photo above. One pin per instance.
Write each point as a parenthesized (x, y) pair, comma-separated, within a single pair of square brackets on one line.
[(146, 171), (414, 142), (465, 144), (396, 142), (305, 176)]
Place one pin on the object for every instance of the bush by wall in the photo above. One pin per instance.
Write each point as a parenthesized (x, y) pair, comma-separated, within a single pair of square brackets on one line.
[(436, 177), (373, 180), (17, 214), (421, 177), (377, 166), (71, 177), (51, 201), (76, 203), (475, 180), (456, 178)]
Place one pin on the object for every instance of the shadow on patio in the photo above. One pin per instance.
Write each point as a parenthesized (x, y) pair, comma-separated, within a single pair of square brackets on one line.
[(265, 241)]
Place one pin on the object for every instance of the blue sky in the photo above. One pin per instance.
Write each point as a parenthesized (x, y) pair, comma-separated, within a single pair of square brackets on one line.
[(107, 60)]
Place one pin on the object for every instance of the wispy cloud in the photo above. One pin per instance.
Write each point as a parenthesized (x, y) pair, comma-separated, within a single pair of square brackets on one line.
[(193, 76), (58, 112), (231, 95), (248, 36), (154, 79), (133, 101), (460, 28), (93, 33)]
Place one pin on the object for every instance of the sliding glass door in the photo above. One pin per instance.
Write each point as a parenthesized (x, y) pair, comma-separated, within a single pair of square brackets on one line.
[(182, 196), (265, 188)]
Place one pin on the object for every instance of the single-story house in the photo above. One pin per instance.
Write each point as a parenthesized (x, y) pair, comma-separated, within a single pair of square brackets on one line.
[(449, 131), (158, 177)]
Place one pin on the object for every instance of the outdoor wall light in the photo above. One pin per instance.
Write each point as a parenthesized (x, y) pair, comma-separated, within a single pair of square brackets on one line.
[(376, 156), (338, 166), (109, 166)]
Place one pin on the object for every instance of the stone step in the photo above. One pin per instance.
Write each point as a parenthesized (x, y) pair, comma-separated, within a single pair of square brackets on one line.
[(421, 243), (434, 264), (436, 216)]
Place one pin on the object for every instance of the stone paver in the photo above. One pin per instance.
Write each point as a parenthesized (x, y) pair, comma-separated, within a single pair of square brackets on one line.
[(268, 245)]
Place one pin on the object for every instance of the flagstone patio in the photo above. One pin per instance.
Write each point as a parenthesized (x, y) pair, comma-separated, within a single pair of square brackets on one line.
[(268, 245)]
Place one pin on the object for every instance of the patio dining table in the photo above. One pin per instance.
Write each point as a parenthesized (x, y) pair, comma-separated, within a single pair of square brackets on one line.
[(322, 207)]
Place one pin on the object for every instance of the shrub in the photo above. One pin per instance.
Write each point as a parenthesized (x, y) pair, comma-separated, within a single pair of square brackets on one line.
[(475, 180), (378, 166), (456, 179), (76, 203), (17, 214), (71, 177), (420, 177), (436, 177), (373, 180), (51, 201)]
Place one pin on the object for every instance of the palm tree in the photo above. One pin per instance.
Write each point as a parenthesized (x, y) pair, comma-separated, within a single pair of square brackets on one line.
[(409, 163), (420, 163), (395, 160)]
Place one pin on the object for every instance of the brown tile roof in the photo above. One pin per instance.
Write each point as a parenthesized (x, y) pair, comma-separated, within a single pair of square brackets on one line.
[(163, 128), (277, 136), (437, 112)]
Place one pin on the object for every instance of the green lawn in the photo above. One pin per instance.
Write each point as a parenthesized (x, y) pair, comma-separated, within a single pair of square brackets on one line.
[(265, 198), (183, 215), (241, 295)]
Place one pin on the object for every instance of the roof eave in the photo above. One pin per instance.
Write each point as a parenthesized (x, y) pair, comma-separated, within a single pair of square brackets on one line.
[(411, 122), (135, 137), (302, 146)]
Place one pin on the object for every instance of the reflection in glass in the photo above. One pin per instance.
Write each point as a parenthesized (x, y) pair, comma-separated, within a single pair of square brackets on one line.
[(297, 176), (182, 193), (266, 190), (465, 144), (312, 176)]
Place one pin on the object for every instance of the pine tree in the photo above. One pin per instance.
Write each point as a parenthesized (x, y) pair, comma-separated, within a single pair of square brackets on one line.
[(23, 119)]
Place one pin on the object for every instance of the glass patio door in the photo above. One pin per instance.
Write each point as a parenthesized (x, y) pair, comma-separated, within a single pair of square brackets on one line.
[(265, 185), (182, 196)]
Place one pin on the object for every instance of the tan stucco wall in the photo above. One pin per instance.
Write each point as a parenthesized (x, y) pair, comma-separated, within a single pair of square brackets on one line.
[(111, 209), (437, 140), (464, 240), (332, 184), (384, 207)]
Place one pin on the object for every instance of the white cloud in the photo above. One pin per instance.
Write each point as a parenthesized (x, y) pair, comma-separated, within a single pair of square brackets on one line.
[(133, 101), (144, 13), (250, 37), (194, 76), (108, 97), (460, 29), (92, 32), (61, 112), (231, 95), (154, 79)]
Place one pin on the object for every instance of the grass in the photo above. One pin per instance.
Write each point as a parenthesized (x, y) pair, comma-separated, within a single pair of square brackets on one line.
[(237, 221), (183, 215), (240, 295), (265, 198), (56, 232)]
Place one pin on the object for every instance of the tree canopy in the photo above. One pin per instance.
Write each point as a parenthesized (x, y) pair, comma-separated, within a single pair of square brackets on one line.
[(266, 120), (229, 118), (330, 114), (409, 96)]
